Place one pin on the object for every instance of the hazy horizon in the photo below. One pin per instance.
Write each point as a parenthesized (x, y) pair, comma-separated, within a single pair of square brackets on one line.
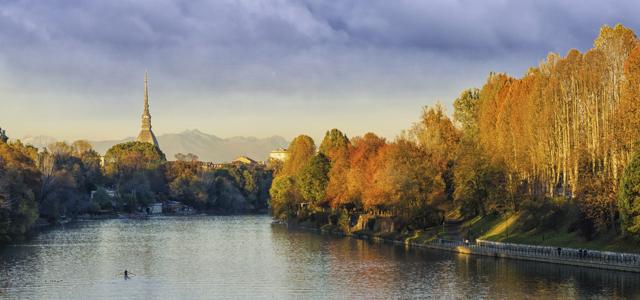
[(257, 68), (133, 136)]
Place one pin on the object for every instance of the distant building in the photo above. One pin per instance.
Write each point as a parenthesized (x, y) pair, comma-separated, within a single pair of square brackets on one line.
[(110, 192), (146, 134), (175, 207), (279, 154), (213, 166), (155, 208), (244, 160)]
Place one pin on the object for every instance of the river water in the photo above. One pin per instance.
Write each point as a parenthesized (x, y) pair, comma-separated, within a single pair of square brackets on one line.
[(246, 257)]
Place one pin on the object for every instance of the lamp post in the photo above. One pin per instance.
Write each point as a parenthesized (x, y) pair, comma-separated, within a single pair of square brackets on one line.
[(508, 217)]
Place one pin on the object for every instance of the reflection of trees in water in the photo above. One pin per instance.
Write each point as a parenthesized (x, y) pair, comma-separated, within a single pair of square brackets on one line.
[(357, 268), (510, 278), (339, 267)]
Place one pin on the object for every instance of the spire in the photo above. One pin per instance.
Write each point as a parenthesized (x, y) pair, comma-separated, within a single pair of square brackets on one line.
[(146, 93), (146, 116), (146, 135)]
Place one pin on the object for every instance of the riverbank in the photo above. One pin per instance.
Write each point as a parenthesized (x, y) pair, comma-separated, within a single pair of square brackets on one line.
[(509, 229), (606, 260)]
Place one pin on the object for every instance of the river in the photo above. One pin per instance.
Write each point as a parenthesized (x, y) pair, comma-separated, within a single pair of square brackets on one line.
[(246, 257)]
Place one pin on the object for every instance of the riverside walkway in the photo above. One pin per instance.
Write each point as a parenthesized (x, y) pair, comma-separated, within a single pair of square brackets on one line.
[(568, 256)]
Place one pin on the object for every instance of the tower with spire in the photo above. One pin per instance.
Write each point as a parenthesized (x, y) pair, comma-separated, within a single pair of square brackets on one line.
[(146, 134)]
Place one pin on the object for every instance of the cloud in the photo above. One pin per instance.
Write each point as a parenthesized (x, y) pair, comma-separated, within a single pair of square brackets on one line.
[(293, 54)]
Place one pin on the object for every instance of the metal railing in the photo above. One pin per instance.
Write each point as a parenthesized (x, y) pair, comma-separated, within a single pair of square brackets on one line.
[(561, 253)]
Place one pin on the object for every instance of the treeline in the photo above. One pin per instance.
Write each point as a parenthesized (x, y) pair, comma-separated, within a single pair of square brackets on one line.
[(50, 184), (557, 143), (64, 181)]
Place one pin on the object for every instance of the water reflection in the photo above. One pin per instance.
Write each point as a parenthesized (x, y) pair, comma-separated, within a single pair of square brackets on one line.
[(246, 257)]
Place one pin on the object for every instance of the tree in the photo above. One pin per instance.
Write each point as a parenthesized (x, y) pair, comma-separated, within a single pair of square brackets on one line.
[(69, 174), (479, 185), (361, 169), (334, 143), (629, 196), (284, 197), (136, 169), (3, 135), (102, 199), (81, 146), (408, 184), (132, 156), (189, 189), (627, 114), (186, 157), (466, 112), (436, 135), (300, 150), (313, 179), (19, 179), (336, 146)]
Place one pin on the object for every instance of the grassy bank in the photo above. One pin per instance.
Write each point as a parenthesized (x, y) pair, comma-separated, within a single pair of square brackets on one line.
[(509, 229), (493, 228)]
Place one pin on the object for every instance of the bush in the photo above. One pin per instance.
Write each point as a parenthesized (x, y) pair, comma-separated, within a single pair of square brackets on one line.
[(343, 220), (543, 214)]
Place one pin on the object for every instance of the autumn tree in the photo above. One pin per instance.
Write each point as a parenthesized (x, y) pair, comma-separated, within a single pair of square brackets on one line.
[(300, 151), (336, 146), (361, 168), (406, 183), (19, 181), (437, 136), (69, 173)]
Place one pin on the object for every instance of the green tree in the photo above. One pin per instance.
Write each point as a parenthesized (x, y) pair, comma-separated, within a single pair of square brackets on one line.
[(479, 185), (128, 158), (102, 199), (312, 182), (466, 112), (333, 143), (284, 197), (301, 150), (629, 196), (137, 170), (3, 136)]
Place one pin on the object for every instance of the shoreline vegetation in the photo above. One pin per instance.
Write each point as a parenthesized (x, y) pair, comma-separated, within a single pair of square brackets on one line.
[(63, 182), (551, 158)]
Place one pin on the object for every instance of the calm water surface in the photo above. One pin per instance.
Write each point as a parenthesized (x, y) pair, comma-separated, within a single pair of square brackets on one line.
[(246, 257)]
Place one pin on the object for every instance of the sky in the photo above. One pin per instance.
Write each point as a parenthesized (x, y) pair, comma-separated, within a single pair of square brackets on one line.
[(75, 69)]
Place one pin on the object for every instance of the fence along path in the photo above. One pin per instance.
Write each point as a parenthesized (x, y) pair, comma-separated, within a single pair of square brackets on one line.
[(569, 256)]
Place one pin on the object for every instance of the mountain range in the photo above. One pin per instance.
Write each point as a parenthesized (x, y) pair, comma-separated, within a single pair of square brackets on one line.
[(208, 147)]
